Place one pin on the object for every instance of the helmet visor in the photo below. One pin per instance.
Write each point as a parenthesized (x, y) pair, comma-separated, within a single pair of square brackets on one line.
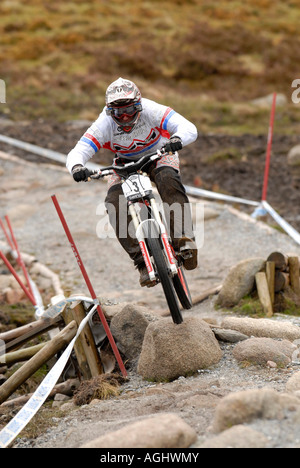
[(118, 111), (124, 114)]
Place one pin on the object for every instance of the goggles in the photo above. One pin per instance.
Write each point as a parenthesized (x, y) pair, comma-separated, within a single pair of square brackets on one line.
[(126, 110)]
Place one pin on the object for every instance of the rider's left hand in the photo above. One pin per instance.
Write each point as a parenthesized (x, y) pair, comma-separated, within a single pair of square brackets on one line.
[(174, 144)]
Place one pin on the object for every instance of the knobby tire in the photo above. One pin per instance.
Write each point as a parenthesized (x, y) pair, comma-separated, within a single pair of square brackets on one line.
[(182, 289), (166, 282)]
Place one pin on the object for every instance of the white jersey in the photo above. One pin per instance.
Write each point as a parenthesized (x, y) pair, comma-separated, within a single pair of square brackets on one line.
[(153, 129)]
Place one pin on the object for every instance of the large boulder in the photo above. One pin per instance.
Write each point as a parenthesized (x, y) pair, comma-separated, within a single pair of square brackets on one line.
[(170, 351), (239, 282), (128, 328)]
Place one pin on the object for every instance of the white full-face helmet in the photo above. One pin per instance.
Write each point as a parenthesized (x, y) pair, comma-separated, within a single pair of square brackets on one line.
[(123, 103)]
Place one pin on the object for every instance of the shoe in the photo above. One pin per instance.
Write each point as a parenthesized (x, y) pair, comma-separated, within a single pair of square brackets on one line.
[(188, 252), (144, 277)]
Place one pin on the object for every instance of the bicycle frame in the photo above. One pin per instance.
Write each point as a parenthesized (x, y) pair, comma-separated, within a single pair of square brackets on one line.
[(141, 227)]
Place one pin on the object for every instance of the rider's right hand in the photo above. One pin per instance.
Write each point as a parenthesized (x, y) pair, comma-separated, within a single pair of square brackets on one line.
[(80, 173), (173, 145)]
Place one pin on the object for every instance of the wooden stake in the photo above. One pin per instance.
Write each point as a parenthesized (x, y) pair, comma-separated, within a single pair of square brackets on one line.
[(263, 293), (87, 341), (29, 331), (270, 273), (78, 349), (294, 274), (21, 355), (31, 366)]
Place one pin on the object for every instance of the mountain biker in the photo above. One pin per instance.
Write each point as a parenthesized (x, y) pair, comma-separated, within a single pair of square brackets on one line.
[(131, 126)]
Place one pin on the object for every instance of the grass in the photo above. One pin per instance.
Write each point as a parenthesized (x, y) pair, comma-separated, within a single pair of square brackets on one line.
[(206, 59)]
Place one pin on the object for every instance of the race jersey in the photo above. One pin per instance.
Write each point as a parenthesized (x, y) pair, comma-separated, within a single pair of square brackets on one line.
[(153, 129)]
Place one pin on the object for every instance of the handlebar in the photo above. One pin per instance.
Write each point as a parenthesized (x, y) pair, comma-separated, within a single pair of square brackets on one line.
[(128, 168)]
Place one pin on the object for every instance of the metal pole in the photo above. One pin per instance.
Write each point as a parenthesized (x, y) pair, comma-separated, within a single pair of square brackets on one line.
[(89, 285), (20, 260), (13, 271)]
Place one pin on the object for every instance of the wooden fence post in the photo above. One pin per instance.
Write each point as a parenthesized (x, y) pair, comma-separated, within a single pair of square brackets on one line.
[(87, 341), (263, 293), (270, 272)]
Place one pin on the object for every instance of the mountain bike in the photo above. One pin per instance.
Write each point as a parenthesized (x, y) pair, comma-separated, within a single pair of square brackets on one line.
[(164, 264)]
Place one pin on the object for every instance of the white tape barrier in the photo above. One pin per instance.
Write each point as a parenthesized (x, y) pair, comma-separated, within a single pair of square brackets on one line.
[(45, 153), (218, 196), (22, 418), (284, 224)]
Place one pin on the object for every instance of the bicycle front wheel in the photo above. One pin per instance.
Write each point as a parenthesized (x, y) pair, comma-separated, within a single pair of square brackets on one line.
[(157, 253), (182, 289)]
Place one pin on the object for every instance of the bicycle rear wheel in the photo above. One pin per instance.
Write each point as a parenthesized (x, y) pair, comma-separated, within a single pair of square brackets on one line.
[(182, 289), (157, 253)]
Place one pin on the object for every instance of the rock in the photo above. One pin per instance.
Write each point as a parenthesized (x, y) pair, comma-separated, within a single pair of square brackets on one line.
[(110, 310), (128, 328), (239, 282), (272, 364), (293, 384), (13, 296), (161, 431), (261, 350), (237, 437), (230, 336), (5, 281), (170, 351), (293, 157), (245, 406), (267, 328), (266, 101), (61, 397)]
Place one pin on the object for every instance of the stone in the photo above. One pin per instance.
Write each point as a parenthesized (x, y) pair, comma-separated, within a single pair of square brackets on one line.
[(237, 437), (165, 431), (262, 327), (266, 101), (293, 157), (128, 328), (229, 336), (263, 350), (239, 282), (293, 384), (170, 350)]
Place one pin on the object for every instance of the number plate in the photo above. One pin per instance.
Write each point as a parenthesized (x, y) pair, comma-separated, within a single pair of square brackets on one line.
[(136, 186)]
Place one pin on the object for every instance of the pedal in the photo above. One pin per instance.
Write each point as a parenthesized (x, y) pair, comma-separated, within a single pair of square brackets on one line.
[(186, 254)]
